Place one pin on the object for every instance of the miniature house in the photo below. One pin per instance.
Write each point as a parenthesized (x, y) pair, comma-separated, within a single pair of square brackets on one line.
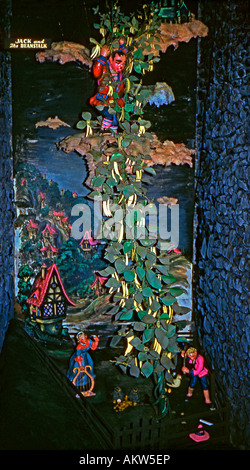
[(98, 284), (41, 199), (48, 301), (49, 251), (50, 235), (88, 244), (58, 216), (32, 228)]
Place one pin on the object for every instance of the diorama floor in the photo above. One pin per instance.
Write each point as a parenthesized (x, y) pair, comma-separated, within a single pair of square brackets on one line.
[(40, 412)]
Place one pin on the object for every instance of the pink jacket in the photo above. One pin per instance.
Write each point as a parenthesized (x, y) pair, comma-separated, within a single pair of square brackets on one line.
[(199, 368)]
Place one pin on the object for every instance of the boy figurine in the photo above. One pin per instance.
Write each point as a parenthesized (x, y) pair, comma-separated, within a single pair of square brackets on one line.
[(198, 370), (108, 69)]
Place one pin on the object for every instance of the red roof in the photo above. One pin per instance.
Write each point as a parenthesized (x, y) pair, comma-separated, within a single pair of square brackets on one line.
[(51, 230), (41, 285), (58, 214), (89, 238), (52, 248), (32, 224), (99, 278)]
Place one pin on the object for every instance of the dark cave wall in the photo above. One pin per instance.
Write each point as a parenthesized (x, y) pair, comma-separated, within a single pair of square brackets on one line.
[(221, 260), (6, 179)]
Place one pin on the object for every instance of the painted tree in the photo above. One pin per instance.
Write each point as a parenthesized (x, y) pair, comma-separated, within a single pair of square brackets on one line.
[(25, 274)]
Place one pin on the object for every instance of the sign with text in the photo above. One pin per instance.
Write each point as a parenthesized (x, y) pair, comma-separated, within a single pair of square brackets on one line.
[(27, 43)]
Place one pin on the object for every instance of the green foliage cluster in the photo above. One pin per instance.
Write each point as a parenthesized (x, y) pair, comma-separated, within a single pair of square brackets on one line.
[(25, 273), (143, 50)]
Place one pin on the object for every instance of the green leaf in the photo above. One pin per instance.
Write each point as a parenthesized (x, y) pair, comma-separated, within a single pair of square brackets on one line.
[(147, 369), (128, 246), (146, 292), (93, 194), (134, 371), (117, 156), (115, 340), (161, 337), (126, 142), (81, 125), (153, 280), (175, 291), (110, 269), (120, 266), (173, 346), (171, 330), (149, 318), (98, 181), (112, 282), (137, 68), (139, 326), (111, 182), (129, 275), (142, 356), (127, 315), (150, 170), (148, 242), (168, 300), (164, 316), (135, 342), (166, 362), (141, 313), (129, 190), (139, 297), (140, 272), (142, 251), (87, 116), (162, 269), (155, 305), (148, 335)]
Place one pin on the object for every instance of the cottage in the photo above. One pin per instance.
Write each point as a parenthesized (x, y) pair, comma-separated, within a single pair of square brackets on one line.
[(88, 244), (32, 228), (50, 235), (48, 301), (49, 251), (99, 284)]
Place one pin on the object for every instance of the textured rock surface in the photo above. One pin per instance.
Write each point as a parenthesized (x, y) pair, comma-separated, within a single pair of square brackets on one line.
[(6, 182), (222, 173)]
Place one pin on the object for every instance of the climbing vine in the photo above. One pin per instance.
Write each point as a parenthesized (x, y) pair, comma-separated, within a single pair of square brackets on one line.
[(140, 280)]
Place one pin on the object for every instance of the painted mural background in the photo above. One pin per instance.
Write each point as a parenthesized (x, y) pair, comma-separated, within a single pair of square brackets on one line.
[(48, 182)]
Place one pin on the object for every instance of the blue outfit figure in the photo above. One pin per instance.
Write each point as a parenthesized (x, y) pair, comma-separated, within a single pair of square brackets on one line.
[(80, 371)]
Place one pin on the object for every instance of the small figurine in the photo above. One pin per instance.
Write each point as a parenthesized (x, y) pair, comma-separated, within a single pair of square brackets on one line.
[(80, 371), (108, 70), (117, 395), (134, 396), (198, 370), (177, 378)]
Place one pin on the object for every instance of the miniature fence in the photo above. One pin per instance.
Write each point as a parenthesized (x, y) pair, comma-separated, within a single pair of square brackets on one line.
[(148, 433), (170, 433)]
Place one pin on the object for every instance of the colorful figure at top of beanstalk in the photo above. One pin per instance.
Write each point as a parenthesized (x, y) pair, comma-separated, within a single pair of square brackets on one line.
[(108, 70)]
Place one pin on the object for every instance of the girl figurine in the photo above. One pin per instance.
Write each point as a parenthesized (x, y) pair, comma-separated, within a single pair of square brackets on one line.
[(80, 371), (198, 370), (108, 70)]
